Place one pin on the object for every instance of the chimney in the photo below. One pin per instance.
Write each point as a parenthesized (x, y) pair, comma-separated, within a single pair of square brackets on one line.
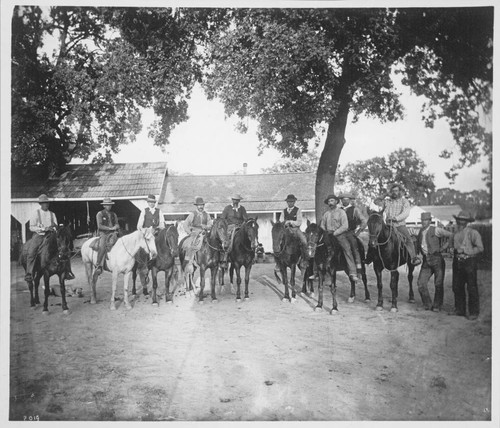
[(245, 168)]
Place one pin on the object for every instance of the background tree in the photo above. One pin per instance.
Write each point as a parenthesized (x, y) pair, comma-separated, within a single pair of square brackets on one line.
[(308, 162), (295, 69)]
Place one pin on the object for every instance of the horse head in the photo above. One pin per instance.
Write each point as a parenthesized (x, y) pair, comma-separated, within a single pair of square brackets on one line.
[(149, 244), (172, 239), (251, 229), (219, 229), (314, 236), (64, 242), (278, 235), (375, 227)]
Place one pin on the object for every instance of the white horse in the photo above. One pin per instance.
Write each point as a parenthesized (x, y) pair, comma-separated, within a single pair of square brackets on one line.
[(120, 260)]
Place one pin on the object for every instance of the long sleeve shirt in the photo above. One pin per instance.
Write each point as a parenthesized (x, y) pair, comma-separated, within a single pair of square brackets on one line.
[(397, 209), (439, 232), (469, 240), (194, 221), (359, 216), (235, 215), (42, 219), (335, 221)]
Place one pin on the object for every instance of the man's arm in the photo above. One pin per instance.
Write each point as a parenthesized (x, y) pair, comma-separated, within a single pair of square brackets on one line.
[(344, 223), (476, 242), (244, 213), (187, 223), (161, 223), (360, 215), (298, 222), (140, 222), (225, 213), (405, 211), (34, 226)]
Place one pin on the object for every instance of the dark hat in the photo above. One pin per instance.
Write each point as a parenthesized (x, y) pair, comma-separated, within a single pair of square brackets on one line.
[(151, 198), (290, 197), (43, 198), (107, 201), (199, 201), (236, 196), (393, 185), (426, 216), (464, 215), (347, 195), (331, 196)]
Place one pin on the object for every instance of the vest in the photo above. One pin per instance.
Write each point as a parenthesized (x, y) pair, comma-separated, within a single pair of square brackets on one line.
[(151, 219), (108, 220), (198, 219), (350, 217), (433, 245), (292, 216), (234, 217)]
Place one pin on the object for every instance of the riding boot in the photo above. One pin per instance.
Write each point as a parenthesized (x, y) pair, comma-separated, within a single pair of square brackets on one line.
[(415, 261), (369, 256)]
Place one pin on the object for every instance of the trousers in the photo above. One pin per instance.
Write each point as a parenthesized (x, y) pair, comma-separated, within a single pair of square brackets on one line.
[(433, 264), (465, 272), (353, 242), (410, 246), (346, 249), (32, 251)]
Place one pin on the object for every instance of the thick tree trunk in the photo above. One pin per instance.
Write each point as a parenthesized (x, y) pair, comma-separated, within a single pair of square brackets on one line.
[(329, 159)]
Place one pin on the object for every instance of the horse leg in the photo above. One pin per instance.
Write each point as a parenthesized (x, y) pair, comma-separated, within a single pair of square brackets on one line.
[(213, 272), (321, 279), (247, 279), (134, 277), (333, 289), (32, 299), (114, 280), (202, 284), (169, 273), (365, 282), (352, 296), (238, 283), (292, 281), (284, 277), (231, 274), (411, 297), (90, 280), (394, 290), (46, 279), (143, 276), (154, 275), (36, 282), (63, 293), (378, 273), (126, 277)]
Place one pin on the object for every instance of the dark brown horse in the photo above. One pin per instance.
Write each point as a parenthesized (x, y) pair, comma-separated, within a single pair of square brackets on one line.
[(246, 240), (389, 253), (286, 249), (209, 256), (53, 259), (167, 247)]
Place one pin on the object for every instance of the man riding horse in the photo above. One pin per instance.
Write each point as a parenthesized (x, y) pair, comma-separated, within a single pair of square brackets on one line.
[(397, 209), (42, 222), (107, 225), (356, 224), (151, 216), (196, 225), (235, 215)]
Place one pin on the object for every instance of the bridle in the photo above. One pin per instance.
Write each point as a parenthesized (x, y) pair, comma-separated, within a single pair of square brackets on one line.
[(376, 236), (145, 240), (312, 245), (251, 220), (217, 236)]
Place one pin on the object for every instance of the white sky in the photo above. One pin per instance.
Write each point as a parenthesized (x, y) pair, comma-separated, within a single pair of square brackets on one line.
[(209, 144)]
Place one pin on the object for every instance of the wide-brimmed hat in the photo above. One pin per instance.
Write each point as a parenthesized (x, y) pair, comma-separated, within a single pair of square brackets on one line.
[(393, 185), (236, 196), (199, 201), (107, 201), (347, 195), (290, 197), (43, 198), (331, 196), (151, 198), (464, 215), (426, 216)]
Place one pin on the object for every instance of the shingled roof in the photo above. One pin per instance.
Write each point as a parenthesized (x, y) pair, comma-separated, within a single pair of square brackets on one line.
[(260, 192), (92, 181)]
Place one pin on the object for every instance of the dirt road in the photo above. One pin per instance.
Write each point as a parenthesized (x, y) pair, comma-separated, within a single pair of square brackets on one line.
[(260, 359)]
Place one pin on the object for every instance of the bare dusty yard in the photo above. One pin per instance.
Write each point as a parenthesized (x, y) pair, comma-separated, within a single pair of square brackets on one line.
[(260, 359)]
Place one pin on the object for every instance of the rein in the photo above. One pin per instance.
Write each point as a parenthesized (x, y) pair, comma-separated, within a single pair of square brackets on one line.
[(128, 252), (216, 238), (381, 244)]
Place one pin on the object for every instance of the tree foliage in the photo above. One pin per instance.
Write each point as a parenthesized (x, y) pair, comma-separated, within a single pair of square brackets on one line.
[(308, 162)]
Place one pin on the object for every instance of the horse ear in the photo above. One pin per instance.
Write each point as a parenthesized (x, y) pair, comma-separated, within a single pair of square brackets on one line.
[(256, 217), (272, 223), (308, 223)]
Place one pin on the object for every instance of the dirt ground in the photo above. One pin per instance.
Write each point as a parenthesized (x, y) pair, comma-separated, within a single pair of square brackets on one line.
[(258, 360)]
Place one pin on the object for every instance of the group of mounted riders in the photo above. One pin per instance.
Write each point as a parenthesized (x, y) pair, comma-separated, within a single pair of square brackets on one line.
[(342, 223)]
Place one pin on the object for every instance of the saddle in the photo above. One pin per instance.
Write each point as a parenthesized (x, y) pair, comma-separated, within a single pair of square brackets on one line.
[(110, 241)]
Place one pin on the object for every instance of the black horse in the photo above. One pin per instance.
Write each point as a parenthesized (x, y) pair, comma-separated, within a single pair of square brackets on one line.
[(246, 240), (53, 258), (318, 250), (287, 254), (209, 256), (167, 247), (389, 253)]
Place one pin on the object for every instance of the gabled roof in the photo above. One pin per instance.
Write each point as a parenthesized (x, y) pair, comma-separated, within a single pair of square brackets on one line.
[(92, 181), (444, 213), (260, 192)]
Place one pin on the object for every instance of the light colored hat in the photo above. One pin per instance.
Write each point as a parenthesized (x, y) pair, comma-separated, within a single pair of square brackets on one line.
[(199, 201), (426, 216), (151, 198), (347, 195), (107, 201), (237, 196), (331, 196), (43, 198), (464, 215), (290, 197)]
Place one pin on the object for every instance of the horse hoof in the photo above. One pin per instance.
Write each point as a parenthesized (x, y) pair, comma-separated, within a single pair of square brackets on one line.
[(379, 308), (312, 294), (112, 307), (285, 299), (350, 300), (294, 300), (247, 299), (411, 301), (318, 308), (215, 301), (367, 300), (200, 302), (334, 312), (238, 300), (66, 311), (155, 304), (128, 307), (394, 310), (169, 302)]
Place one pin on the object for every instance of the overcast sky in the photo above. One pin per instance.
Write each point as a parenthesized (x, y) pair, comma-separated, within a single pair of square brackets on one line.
[(209, 144)]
